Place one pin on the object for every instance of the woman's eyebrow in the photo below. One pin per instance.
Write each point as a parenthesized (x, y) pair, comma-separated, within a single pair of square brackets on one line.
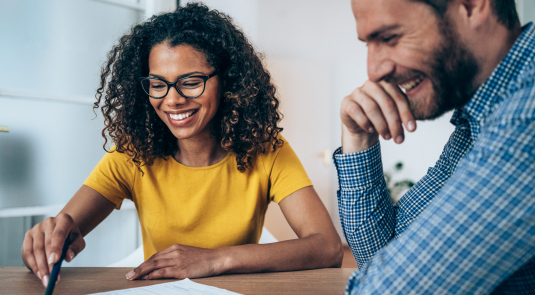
[(179, 77)]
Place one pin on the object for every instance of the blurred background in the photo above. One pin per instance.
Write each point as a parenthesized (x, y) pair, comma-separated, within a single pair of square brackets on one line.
[(50, 58)]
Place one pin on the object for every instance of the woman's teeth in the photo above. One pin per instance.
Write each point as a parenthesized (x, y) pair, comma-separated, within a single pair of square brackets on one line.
[(181, 116), (411, 84)]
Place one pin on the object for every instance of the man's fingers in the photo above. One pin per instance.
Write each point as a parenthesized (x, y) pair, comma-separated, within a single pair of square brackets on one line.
[(376, 108), (402, 104), (389, 111), (375, 115), (354, 119)]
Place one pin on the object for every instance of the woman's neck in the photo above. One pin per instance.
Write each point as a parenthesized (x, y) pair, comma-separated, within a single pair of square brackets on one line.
[(201, 151)]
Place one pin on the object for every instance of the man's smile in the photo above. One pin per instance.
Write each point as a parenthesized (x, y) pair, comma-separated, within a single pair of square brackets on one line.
[(411, 84)]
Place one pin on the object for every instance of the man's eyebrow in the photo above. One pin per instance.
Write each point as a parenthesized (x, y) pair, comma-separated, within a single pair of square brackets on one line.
[(179, 77), (379, 31)]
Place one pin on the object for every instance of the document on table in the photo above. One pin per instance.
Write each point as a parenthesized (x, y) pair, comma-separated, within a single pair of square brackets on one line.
[(174, 288)]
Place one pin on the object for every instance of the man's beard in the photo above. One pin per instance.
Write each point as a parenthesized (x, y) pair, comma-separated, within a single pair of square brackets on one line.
[(453, 69)]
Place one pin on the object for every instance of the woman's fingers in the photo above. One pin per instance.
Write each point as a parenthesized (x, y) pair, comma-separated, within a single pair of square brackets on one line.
[(178, 261), (28, 255), (149, 266), (77, 244), (43, 244), (64, 224), (162, 273), (40, 257), (168, 250), (47, 230)]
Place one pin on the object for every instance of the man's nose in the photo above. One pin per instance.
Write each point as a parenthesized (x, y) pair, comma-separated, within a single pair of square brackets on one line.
[(380, 66), (174, 98)]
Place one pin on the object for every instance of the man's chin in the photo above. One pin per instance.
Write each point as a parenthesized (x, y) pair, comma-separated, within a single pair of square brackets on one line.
[(427, 110)]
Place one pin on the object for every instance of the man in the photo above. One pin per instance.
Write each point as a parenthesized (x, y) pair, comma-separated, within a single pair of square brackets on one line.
[(468, 226)]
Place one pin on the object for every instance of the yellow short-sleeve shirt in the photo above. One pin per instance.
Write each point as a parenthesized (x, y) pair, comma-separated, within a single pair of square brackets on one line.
[(208, 207)]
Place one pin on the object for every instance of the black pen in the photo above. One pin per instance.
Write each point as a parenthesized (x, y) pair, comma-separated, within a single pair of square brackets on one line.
[(57, 266)]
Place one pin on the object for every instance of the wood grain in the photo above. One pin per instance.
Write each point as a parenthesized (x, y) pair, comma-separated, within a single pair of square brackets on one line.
[(86, 280)]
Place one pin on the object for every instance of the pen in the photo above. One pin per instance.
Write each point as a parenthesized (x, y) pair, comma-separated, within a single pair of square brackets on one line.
[(57, 266)]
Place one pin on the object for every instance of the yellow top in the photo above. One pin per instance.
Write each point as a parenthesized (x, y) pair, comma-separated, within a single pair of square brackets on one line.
[(208, 207)]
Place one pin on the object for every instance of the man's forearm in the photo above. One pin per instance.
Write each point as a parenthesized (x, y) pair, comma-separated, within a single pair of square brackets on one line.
[(366, 211), (369, 228)]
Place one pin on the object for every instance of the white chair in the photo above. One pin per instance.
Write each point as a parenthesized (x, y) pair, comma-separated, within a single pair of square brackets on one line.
[(137, 257)]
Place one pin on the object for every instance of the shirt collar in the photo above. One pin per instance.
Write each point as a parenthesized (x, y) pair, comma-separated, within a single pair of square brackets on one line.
[(479, 106)]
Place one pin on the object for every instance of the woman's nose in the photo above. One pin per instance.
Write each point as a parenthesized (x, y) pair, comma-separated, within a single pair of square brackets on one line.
[(174, 98)]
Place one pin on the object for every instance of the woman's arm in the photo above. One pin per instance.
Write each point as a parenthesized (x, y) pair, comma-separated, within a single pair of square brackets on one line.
[(43, 243), (318, 246)]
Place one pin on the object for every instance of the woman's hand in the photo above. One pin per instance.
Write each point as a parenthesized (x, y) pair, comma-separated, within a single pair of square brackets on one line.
[(42, 244), (179, 262)]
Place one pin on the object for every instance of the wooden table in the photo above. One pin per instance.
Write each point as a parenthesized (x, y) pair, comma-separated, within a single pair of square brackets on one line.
[(86, 280)]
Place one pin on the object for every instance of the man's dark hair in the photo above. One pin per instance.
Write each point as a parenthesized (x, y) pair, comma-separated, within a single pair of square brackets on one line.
[(504, 9)]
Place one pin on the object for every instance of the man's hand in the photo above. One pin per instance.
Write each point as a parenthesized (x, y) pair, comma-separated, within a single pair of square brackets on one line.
[(180, 262), (372, 110)]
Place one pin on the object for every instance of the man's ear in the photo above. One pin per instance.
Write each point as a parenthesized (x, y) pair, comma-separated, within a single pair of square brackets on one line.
[(475, 12)]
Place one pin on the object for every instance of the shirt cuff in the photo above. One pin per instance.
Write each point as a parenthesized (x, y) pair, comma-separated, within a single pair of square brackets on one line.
[(358, 170)]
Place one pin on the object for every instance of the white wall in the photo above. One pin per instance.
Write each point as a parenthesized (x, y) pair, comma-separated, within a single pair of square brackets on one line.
[(54, 49), (49, 71), (244, 12), (526, 10)]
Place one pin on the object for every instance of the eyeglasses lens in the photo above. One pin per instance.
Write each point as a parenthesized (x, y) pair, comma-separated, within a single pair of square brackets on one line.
[(191, 87), (154, 87)]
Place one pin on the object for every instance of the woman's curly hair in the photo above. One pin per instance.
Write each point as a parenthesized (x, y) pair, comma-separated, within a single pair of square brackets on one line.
[(247, 118)]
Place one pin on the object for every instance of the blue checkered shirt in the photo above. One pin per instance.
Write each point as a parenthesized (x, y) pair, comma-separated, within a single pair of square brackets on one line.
[(468, 226)]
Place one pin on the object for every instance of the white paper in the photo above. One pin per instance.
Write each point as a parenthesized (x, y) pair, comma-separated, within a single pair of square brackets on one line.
[(174, 288)]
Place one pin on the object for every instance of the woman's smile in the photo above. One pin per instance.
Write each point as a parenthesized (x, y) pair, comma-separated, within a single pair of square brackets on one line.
[(181, 118)]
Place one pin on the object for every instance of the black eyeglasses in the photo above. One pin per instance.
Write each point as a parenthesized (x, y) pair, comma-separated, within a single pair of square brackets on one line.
[(188, 87)]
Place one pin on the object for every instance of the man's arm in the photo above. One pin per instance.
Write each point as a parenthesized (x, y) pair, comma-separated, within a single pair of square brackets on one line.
[(477, 232), (366, 211), (368, 218)]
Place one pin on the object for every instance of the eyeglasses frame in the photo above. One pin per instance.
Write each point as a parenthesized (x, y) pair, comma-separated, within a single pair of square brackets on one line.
[(174, 84)]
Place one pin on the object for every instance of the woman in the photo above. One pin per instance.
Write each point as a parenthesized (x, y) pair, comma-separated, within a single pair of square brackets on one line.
[(193, 116)]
